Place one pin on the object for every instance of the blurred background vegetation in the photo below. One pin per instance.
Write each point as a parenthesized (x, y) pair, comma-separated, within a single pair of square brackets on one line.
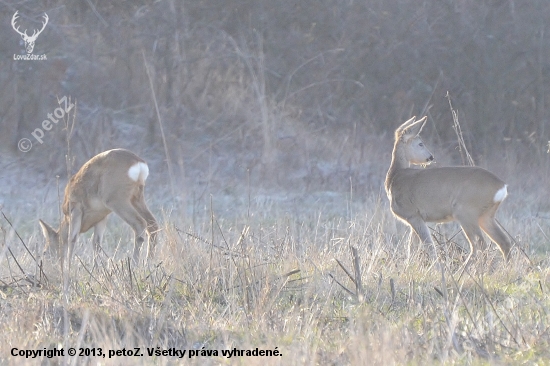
[(272, 93), (277, 118)]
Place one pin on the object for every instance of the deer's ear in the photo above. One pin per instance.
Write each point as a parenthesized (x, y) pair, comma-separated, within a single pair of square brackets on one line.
[(49, 233), (413, 129)]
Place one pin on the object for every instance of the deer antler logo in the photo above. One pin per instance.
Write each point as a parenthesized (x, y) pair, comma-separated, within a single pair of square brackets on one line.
[(29, 40)]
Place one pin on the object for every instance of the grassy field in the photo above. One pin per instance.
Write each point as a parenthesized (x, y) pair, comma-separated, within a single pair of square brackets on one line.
[(277, 273), (267, 127)]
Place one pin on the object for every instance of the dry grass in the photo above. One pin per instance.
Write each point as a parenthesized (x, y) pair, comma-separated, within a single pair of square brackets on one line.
[(246, 268), (292, 105), (267, 275)]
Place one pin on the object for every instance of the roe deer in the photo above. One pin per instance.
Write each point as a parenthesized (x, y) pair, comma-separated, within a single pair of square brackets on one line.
[(112, 181), (469, 195)]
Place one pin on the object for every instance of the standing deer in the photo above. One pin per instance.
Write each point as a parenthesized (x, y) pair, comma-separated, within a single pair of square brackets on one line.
[(112, 181), (469, 195)]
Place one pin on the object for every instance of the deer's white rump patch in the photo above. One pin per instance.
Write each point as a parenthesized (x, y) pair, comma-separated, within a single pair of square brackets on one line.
[(138, 172), (501, 194)]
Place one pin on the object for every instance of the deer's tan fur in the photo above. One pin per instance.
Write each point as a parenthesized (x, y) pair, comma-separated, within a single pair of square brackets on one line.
[(468, 195), (112, 181)]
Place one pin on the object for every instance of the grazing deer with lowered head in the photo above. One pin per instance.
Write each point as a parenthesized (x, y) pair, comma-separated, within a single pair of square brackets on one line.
[(112, 181), (469, 195)]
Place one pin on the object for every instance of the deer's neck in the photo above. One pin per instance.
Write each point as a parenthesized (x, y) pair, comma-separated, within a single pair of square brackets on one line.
[(398, 162), (63, 233)]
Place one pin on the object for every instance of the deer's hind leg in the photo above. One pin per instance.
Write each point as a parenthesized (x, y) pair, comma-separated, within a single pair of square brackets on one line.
[(488, 224), (152, 226), (131, 216)]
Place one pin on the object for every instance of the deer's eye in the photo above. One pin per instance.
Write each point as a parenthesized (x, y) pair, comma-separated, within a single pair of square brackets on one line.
[(421, 144)]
